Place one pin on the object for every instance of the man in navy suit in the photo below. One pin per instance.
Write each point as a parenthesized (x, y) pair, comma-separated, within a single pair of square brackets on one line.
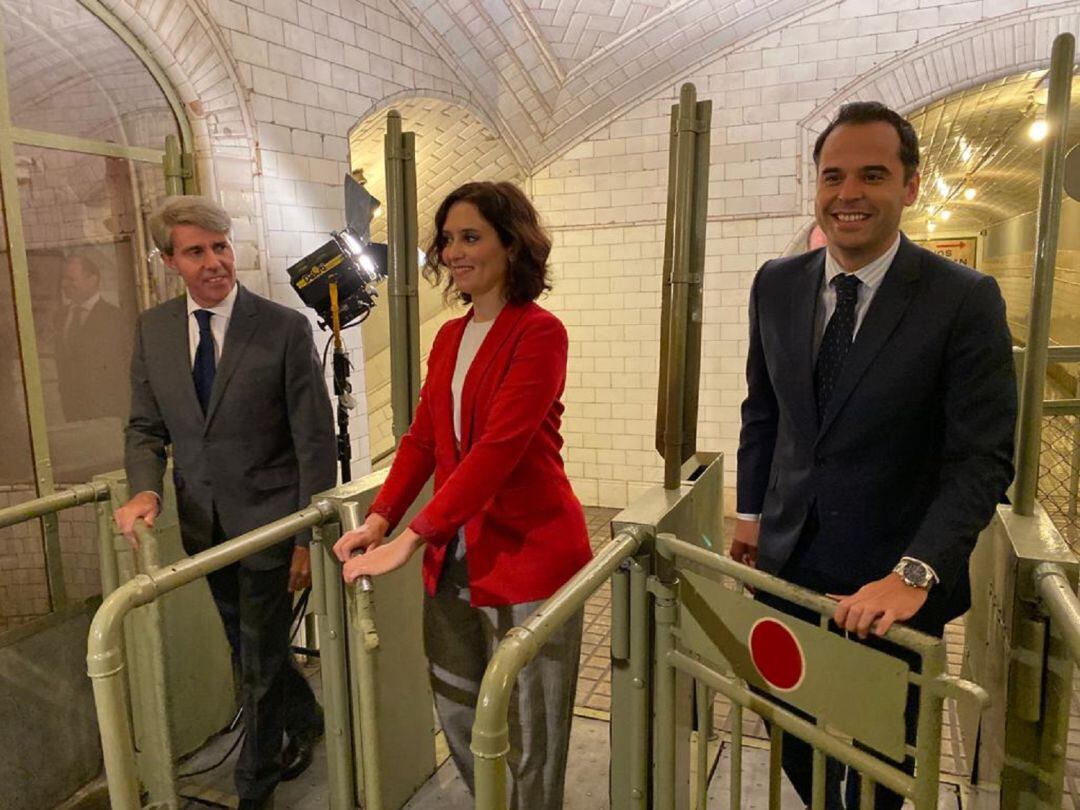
[(877, 431)]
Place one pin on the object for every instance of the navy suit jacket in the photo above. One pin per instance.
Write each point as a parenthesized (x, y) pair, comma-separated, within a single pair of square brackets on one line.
[(915, 448), (265, 445)]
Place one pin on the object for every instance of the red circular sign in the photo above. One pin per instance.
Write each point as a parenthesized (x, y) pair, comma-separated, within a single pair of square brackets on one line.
[(777, 654)]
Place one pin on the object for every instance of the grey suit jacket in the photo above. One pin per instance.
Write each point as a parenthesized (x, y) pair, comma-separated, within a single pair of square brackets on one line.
[(266, 444), (915, 448)]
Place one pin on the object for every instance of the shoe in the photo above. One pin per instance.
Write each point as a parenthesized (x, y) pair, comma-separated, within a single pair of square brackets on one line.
[(297, 756)]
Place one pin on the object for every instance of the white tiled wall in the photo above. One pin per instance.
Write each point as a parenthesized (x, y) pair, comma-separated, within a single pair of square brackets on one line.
[(274, 87)]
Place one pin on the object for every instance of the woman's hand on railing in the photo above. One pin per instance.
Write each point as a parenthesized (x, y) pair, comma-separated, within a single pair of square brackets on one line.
[(145, 505), (370, 534), (384, 559)]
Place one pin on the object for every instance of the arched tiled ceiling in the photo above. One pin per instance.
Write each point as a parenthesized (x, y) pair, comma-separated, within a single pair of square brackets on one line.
[(979, 138), (552, 71)]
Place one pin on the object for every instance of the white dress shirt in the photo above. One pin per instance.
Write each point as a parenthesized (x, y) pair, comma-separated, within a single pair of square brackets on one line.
[(219, 324), (871, 276)]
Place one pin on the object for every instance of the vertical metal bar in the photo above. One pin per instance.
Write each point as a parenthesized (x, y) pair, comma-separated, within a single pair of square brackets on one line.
[(928, 733), (33, 390), (173, 165), (776, 752), (680, 280), (817, 779), (110, 576), (665, 283), (736, 756), (703, 705), (665, 611), (620, 613), (1042, 283), (867, 788), (156, 749), (327, 604), (640, 661), (397, 282), (361, 614), (1074, 460), (412, 264)]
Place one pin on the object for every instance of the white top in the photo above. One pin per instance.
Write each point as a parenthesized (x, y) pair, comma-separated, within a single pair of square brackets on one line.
[(470, 344), (219, 324)]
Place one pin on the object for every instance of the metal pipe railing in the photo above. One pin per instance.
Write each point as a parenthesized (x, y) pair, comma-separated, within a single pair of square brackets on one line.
[(104, 654), (1029, 437), (1061, 603), (491, 733), (935, 683), (57, 501), (362, 621)]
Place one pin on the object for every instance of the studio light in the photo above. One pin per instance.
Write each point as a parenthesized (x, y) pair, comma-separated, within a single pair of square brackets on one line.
[(355, 267)]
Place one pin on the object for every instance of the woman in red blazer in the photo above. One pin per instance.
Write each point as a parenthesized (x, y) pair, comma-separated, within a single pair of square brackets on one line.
[(503, 530)]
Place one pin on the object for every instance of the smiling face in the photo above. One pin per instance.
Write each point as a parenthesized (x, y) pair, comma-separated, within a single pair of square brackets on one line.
[(205, 260), (862, 191), (473, 252)]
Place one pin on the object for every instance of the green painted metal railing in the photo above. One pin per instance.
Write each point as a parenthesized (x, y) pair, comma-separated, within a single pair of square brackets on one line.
[(933, 682), (491, 734), (56, 502), (104, 655)]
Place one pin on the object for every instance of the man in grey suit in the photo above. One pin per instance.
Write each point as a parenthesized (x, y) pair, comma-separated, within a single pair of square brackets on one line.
[(232, 383), (877, 431)]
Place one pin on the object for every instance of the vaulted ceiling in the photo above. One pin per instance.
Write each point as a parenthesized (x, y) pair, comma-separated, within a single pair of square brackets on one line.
[(551, 71), (980, 139)]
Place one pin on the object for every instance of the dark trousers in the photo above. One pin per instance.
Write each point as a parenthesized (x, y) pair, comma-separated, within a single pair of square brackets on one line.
[(256, 608), (797, 755)]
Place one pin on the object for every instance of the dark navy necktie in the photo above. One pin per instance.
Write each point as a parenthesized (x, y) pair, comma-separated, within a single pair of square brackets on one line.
[(202, 371), (836, 341)]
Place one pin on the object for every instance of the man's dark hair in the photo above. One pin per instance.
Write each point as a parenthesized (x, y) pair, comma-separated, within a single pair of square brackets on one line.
[(869, 112), (509, 212), (89, 266)]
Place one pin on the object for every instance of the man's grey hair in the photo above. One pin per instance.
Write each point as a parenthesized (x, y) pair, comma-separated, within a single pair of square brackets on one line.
[(186, 210)]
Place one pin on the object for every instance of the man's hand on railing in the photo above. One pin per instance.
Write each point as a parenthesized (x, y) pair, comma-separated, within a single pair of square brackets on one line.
[(300, 569), (877, 604), (144, 505), (384, 559), (368, 535), (744, 542)]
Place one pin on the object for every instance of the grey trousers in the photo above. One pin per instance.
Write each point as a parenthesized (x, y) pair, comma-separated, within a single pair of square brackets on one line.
[(459, 641)]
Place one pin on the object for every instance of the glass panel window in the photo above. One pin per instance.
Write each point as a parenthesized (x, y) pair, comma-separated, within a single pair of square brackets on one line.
[(68, 73), (81, 218), (24, 592)]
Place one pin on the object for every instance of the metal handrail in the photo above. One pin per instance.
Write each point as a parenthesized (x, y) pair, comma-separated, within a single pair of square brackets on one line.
[(933, 679), (491, 734), (914, 640), (104, 654), (65, 499), (1061, 603)]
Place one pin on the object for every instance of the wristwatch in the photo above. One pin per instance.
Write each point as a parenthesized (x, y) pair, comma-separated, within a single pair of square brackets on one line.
[(914, 573)]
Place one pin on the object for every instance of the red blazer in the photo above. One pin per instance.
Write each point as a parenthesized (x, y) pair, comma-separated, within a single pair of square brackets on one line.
[(525, 531)]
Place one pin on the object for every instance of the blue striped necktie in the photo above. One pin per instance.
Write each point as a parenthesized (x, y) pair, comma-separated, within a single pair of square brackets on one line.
[(204, 368)]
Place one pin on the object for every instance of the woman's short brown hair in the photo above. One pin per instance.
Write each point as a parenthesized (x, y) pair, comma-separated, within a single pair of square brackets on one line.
[(509, 212)]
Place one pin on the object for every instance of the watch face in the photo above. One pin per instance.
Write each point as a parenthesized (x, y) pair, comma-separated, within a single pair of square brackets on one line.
[(915, 574)]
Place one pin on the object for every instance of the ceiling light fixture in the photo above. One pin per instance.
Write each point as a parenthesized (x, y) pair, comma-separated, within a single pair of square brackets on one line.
[(945, 215), (1038, 130), (931, 226), (969, 193), (943, 187)]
